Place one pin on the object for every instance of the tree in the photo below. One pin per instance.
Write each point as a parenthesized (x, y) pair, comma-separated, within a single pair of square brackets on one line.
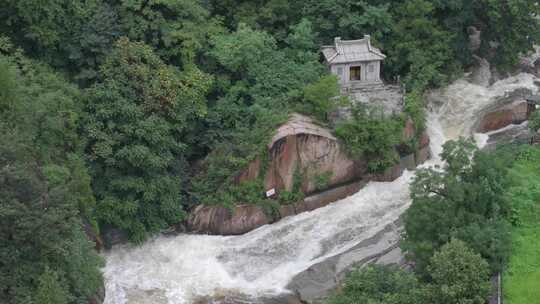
[(44, 189), (322, 97), (50, 290), (73, 35), (458, 276), (135, 121), (177, 29), (379, 284), (371, 136), (511, 26), (418, 48), (466, 201)]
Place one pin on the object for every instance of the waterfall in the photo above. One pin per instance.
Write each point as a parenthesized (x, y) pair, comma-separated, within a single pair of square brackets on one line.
[(183, 268)]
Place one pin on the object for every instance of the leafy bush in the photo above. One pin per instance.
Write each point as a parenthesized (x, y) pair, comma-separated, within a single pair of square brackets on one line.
[(378, 284), (534, 121), (458, 275), (371, 136), (322, 180), (322, 97)]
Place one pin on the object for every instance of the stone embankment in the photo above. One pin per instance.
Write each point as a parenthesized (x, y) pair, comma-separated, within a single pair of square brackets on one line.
[(301, 145)]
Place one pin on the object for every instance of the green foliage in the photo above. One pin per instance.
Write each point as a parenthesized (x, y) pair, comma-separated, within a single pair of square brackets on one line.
[(511, 25), (134, 123), (415, 108), (378, 284), (522, 273), (44, 190), (419, 48), (464, 201), (371, 136), (322, 97), (458, 275), (212, 184), (322, 180), (240, 51), (534, 122), (296, 194), (50, 290)]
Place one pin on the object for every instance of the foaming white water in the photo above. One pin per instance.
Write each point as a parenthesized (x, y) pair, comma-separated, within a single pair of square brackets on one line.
[(258, 263), (462, 102), (178, 270)]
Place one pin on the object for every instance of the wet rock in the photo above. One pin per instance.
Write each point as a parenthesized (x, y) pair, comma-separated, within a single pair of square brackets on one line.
[(514, 134), (223, 221), (422, 155), (319, 280), (408, 162), (513, 113), (481, 74), (408, 131), (302, 145), (324, 198), (424, 140), (389, 175), (313, 150), (244, 218), (287, 210), (113, 236)]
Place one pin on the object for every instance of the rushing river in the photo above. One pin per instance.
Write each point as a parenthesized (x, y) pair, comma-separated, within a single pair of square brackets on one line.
[(184, 268)]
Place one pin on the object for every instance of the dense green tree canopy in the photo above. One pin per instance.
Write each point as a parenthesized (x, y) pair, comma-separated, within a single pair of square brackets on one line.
[(464, 201), (379, 284), (458, 276), (44, 188), (134, 123)]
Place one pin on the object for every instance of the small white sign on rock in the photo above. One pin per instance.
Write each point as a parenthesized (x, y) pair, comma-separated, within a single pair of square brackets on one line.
[(271, 192)]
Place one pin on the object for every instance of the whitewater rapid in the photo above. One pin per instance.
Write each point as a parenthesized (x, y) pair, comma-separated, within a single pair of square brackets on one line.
[(184, 268)]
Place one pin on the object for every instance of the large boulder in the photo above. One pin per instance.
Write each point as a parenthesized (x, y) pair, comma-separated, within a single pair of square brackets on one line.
[(513, 113), (244, 218), (302, 146), (224, 221)]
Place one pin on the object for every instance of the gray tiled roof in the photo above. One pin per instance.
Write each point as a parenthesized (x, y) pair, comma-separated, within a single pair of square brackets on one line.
[(351, 51)]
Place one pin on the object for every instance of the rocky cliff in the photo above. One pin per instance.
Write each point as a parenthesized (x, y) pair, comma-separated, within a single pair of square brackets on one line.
[(301, 145)]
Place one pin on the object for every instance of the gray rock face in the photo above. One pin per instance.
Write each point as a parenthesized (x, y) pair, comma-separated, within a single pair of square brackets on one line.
[(320, 279)]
